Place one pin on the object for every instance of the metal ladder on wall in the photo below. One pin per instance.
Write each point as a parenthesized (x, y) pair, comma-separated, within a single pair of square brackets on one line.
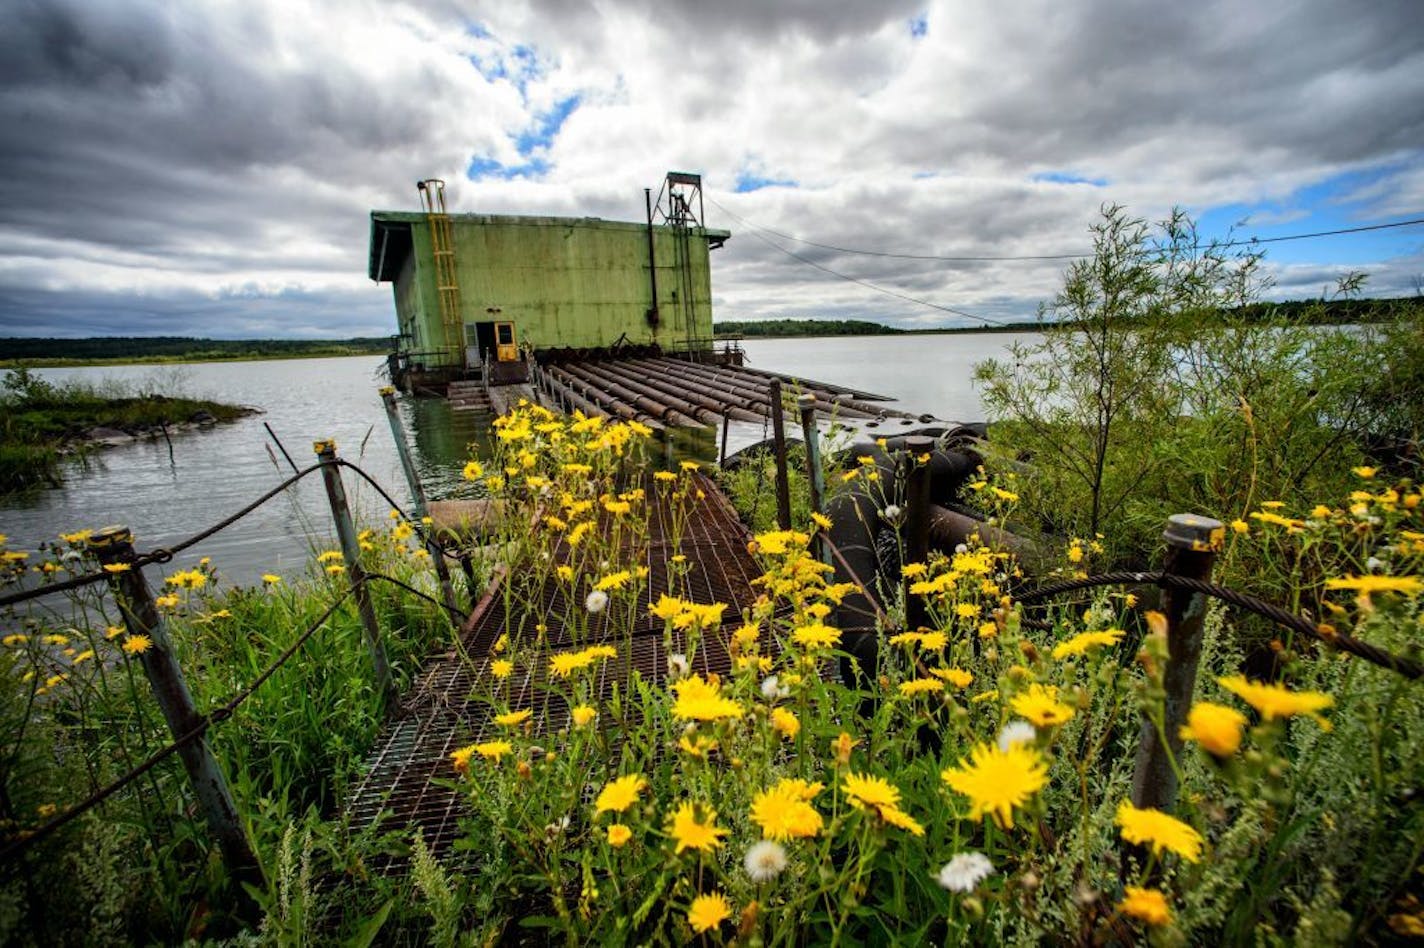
[(447, 280)]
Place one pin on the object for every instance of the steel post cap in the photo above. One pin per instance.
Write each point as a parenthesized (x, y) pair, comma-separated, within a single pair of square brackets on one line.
[(109, 536), (919, 444), (1194, 532)]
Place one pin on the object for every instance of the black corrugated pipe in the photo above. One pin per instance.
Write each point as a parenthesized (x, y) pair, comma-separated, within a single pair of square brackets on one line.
[(854, 516)]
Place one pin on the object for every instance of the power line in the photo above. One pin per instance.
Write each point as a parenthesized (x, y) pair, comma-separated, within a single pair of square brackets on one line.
[(866, 283), (1058, 256)]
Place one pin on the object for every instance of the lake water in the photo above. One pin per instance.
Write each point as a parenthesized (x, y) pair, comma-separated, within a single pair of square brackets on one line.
[(215, 472)]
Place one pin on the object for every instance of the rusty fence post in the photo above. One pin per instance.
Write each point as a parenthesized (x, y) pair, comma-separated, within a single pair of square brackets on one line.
[(417, 492), (114, 548), (916, 520), (351, 553), (814, 475), (778, 435), (1192, 545)]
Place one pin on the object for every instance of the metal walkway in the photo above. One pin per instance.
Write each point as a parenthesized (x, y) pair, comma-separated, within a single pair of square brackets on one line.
[(405, 782)]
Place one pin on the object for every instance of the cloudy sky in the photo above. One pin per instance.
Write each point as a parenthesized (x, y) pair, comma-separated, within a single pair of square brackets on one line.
[(208, 168)]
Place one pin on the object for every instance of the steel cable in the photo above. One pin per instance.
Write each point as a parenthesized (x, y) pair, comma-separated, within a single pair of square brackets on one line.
[(224, 711)]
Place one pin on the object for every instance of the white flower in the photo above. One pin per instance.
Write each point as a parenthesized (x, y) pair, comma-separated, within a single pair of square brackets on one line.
[(964, 872), (1374, 564), (764, 861), (597, 601), (772, 688), (1016, 732), (961, 548), (677, 665), (891, 514), (557, 827)]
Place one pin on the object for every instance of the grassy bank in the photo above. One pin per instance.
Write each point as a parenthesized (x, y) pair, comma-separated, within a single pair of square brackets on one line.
[(974, 790), (44, 422)]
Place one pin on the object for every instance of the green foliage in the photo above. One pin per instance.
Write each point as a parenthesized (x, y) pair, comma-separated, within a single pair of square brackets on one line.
[(790, 328), (76, 713)]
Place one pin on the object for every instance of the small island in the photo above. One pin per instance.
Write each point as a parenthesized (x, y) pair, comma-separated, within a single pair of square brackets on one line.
[(46, 422)]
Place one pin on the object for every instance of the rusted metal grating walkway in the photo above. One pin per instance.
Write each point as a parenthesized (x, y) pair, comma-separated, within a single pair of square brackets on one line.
[(405, 785)]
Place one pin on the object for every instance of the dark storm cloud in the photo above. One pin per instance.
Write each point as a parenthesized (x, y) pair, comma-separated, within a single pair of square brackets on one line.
[(169, 164)]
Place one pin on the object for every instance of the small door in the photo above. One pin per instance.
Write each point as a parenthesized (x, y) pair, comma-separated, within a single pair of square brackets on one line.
[(506, 348)]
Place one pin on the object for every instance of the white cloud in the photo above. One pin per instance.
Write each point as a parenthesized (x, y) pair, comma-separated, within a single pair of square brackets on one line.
[(158, 155)]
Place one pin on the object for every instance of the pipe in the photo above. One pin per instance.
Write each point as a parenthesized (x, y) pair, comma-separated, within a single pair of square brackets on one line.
[(710, 404), (753, 392), (573, 398), (615, 405), (651, 406), (689, 415)]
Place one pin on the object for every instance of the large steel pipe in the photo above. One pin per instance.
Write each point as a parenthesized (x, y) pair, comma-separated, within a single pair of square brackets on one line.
[(861, 401), (571, 397), (699, 417), (712, 404), (754, 390), (741, 403), (650, 405), (618, 407)]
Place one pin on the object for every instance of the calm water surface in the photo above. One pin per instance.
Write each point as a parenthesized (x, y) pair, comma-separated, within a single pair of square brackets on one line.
[(216, 472)]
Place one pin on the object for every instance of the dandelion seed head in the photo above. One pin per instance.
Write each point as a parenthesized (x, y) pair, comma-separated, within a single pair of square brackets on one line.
[(764, 861)]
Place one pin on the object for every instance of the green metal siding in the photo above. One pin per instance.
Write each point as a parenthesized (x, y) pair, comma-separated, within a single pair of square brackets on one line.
[(562, 282)]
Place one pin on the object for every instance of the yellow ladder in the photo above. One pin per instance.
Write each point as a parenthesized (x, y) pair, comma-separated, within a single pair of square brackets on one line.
[(447, 281)]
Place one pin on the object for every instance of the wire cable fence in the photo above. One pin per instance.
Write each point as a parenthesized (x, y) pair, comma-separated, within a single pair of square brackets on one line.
[(127, 566)]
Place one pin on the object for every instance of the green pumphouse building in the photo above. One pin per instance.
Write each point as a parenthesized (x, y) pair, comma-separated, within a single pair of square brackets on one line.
[(482, 290)]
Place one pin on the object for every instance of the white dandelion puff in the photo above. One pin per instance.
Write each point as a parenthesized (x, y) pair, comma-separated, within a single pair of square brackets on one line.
[(772, 688), (764, 861), (597, 601), (964, 872), (1015, 732)]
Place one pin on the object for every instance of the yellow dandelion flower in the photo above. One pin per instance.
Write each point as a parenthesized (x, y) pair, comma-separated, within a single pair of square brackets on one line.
[(271, 579), (501, 667), (785, 723), (137, 644), (494, 750), (1407, 585), (784, 811), (899, 819), (708, 912), (691, 833), (921, 686), (821, 520), (1081, 643), (1364, 471), (988, 630), (699, 700), (514, 718), (665, 476), (1277, 701), (329, 556), (613, 581), (112, 567), (1149, 827), (169, 601), (583, 715), (1146, 905), (460, 759), (698, 747), (998, 781), (867, 791), (618, 835), (84, 656), (1215, 727), (957, 677), (1040, 705), (619, 794), (816, 636), (1240, 526), (667, 607)]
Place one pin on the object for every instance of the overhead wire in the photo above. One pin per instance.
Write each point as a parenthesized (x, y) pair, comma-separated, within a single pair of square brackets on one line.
[(1247, 242), (865, 283)]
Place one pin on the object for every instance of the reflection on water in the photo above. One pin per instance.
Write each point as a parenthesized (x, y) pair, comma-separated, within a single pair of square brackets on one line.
[(216, 472)]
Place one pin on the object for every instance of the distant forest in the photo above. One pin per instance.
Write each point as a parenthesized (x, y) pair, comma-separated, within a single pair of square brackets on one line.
[(17, 351), (180, 349), (1318, 312)]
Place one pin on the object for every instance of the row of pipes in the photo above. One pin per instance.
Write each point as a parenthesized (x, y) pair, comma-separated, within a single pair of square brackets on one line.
[(664, 392)]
